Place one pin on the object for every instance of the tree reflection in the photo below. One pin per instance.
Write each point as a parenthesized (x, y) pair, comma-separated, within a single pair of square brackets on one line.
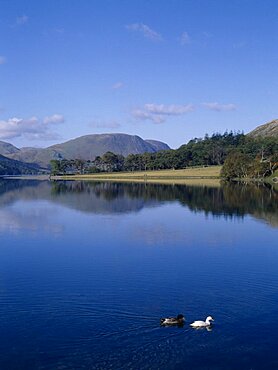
[(228, 200)]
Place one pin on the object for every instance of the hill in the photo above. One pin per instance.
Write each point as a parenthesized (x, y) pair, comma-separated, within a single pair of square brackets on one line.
[(88, 147), (7, 148), (269, 129), (158, 145), (12, 167)]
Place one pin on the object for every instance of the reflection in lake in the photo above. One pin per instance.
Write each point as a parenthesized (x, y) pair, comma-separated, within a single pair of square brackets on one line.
[(87, 269), (230, 200)]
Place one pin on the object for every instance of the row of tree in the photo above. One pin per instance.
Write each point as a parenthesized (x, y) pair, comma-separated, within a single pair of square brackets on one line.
[(109, 162), (240, 165), (243, 157)]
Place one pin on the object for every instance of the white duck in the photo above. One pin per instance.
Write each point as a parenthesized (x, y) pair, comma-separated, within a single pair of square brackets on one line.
[(202, 324)]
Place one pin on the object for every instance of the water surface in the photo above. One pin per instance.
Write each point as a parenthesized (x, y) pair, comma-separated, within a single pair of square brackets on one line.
[(87, 270)]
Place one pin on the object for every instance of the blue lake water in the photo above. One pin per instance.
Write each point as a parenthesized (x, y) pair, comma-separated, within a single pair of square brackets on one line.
[(88, 269)]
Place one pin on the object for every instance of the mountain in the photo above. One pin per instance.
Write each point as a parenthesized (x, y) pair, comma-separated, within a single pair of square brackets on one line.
[(158, 145), (88, 147), (12, 167), (7, 148), (269, 129)]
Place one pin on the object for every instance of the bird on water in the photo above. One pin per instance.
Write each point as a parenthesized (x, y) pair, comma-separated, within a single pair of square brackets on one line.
[(202, 324), (179, 320)]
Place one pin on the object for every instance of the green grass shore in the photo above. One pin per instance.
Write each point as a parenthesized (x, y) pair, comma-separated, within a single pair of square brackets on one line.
[(201, 176), (209, 176)]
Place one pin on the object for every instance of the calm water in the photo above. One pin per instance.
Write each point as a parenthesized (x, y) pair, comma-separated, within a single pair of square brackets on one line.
[(87, 270)]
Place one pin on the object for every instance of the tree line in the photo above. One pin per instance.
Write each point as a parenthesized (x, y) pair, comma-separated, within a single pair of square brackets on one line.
[(241, 156)]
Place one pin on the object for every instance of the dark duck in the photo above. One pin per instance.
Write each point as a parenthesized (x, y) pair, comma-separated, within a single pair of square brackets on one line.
[(179, 320)]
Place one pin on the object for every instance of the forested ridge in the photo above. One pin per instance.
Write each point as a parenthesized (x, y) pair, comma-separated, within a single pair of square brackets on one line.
[(241, 155)]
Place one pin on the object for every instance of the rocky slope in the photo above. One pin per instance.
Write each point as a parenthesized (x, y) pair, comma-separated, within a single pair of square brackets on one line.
[(269, 129)]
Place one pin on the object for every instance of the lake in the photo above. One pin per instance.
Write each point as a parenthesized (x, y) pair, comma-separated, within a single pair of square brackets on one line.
[(88, 269)]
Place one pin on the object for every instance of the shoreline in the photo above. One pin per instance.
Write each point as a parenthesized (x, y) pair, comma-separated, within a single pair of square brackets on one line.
[(199, 176)]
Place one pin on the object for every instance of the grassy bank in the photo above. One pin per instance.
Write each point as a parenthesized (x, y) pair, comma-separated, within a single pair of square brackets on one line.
[(196, 175)]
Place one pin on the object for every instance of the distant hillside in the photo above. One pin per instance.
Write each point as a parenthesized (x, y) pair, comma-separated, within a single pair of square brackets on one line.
[(12, 167), (7, 148), (158, 145), (88, 147), (269, 129)]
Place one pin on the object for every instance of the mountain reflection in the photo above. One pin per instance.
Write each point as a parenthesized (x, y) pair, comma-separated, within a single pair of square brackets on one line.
[(229, 200)]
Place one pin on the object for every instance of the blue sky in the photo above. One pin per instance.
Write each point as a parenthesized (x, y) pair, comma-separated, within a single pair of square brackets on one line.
[(166, 70)]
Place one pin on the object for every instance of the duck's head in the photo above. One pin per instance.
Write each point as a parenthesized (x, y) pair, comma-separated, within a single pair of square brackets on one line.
[(180, 318), (209, 318)]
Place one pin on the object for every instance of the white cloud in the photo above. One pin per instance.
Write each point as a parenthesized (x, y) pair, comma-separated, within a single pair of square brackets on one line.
[(219, 107), (55, 118), (104, 124), (22, 20), (145, 30), (170, 110), (185, 38), (157, 112), (15, 127), (30, 129), (3, 60), (142, 115), (117, 85)]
